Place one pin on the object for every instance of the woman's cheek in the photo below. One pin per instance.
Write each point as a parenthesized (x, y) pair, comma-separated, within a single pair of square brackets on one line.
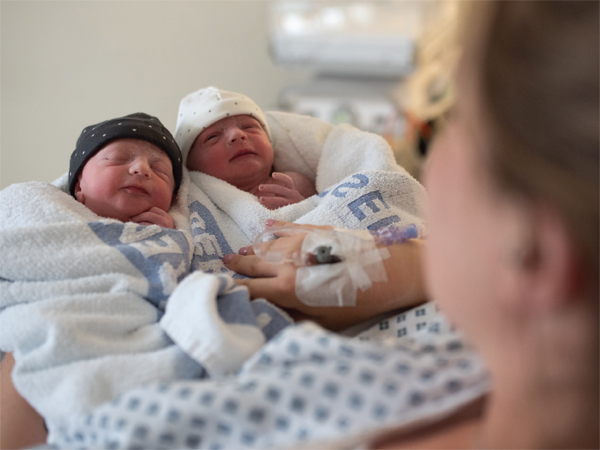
[(448, 244)]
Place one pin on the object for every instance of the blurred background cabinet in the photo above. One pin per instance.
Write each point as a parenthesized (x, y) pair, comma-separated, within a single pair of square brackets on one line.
[(382, 66)]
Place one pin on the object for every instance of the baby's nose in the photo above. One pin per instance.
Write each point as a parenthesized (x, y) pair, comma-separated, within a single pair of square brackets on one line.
[(140, 167), (236, 133)]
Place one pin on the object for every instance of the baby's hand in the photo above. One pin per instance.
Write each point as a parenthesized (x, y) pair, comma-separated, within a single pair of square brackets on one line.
[(283, 190), (154, 216)]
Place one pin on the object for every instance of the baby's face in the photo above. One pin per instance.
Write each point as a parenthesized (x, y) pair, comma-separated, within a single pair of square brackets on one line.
[(126, 178), (233, 149)]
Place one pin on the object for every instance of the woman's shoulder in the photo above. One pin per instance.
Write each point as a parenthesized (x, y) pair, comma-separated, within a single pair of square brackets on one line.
[(458, 431)]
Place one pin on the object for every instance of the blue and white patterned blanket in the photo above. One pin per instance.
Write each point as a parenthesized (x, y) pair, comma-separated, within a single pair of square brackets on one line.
[(306, 388)]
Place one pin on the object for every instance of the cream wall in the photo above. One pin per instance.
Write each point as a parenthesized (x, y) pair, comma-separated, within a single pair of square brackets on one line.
[(67, 64)]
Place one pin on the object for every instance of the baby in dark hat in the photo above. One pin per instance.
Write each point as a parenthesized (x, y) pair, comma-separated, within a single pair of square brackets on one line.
[(128, 168)]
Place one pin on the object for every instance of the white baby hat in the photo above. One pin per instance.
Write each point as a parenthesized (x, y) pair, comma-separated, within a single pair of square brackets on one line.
[(206, 106)]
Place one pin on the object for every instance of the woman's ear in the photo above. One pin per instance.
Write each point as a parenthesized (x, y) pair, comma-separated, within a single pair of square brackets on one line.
[(78, 192), (545, 266)]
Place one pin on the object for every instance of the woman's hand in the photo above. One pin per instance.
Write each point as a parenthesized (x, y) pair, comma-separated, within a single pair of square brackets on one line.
[(20, 425), (277, 282), (154, 216)]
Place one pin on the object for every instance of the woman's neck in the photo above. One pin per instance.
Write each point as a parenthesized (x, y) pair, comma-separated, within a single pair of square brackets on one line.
[(546, 391)]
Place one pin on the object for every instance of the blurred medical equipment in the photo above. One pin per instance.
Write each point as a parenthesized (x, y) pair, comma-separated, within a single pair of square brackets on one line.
[(384, 66)]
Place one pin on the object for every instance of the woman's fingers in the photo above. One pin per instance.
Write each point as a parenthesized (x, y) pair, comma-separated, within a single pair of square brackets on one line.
[(286, 244), (252, 265), (246, 251), (290, 239), (265, 288), (270, 223), (280, 290)]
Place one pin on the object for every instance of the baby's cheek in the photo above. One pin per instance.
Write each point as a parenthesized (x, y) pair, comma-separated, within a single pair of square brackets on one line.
[(164, 201)]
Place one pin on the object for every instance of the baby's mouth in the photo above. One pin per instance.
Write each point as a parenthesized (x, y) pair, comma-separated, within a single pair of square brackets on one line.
[(136, 190), (242, 153)]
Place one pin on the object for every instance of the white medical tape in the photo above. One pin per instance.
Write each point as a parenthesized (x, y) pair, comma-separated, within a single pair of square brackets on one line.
[(336, 284)]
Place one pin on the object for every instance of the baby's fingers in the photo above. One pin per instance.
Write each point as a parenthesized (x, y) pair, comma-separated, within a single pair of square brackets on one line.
[(283, 179), (274, 202), (154, 216), (274, 189)]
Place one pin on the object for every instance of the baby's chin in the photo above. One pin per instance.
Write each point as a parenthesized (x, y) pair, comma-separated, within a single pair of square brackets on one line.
[(128, 214), (124, 215)]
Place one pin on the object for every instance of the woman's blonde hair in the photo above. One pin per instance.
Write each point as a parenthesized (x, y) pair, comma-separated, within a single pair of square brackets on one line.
[(539, 82)]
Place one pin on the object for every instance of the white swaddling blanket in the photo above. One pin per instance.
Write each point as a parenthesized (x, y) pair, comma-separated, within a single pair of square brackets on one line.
[(360, 186), (82, 301)]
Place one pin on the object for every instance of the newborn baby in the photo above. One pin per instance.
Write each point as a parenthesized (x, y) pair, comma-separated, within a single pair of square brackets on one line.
[(225, 135), (128, 168)]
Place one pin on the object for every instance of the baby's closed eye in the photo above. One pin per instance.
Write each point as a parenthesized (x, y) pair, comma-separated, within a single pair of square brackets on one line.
[(117, 159), (161, 168)]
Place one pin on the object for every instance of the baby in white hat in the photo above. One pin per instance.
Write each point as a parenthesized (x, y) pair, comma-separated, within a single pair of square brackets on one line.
[(226, 135)]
